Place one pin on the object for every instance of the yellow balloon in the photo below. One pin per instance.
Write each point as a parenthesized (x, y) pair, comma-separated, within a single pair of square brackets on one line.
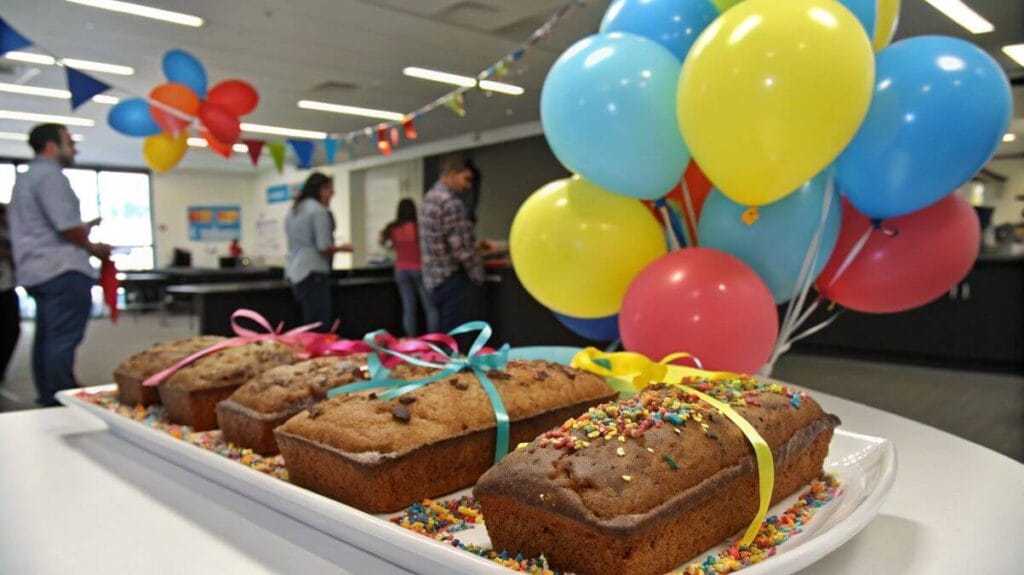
[(771, 93), (163, 151), (724, 5), (576, 247), (887, 15)]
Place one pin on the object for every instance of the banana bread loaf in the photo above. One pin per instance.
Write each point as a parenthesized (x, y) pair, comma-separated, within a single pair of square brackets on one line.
[(249, 416), (642, 485), (381, 456), (134, 370), (190, 396)]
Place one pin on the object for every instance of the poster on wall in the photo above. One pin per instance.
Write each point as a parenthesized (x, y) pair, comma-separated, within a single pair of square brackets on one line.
[(214, 223), (282, 193)]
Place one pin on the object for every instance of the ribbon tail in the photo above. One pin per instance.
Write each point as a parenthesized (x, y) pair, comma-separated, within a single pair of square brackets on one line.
[(501, 417)]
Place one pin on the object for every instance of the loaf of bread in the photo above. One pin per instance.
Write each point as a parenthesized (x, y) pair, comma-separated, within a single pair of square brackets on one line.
[(249, 416), (137, 368), (641, 485), (381, 456), (191, 395)]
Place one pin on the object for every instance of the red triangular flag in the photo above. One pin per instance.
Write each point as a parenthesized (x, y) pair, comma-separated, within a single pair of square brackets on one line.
[(383, 144), (410, 129), (255, 149)]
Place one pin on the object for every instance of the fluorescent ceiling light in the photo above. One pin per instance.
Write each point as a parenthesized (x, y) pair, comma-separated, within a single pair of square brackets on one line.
[(437, 76), (1015, 52), (202, 143), (351, 110), (90, 65), (1009, 137), (143, 11), (501, 87), (52, 93), (31, 117), (963, 15), (240, 148), (19, 137), (104, 99), (276, 131)]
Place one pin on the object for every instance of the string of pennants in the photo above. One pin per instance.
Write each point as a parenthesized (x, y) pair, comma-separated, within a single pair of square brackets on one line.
[(386, 136)]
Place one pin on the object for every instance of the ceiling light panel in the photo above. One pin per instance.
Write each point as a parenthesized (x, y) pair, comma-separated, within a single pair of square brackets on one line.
[(143, 11), (963, 15), (351, 110)]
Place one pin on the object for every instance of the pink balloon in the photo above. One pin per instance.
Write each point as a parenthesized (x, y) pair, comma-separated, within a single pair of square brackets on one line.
[(931, 251), (704, 302), (221, 124)]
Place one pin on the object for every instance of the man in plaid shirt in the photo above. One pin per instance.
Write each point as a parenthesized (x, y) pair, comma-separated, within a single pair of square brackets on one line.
[(452, 271)]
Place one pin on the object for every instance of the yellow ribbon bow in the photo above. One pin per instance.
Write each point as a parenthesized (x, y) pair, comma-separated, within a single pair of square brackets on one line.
[(631, 372)]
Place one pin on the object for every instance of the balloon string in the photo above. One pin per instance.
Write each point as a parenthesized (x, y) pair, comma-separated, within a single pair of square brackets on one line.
[(812, 330), (691, 213), (670, 231), (852, 255)]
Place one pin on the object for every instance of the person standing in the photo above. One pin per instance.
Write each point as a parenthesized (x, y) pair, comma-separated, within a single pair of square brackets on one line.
[(10, 314), (51, 256), (403, 235), (452, 270), (309, 227)]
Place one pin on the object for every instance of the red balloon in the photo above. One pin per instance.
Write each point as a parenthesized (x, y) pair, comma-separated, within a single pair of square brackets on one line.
[(217, 146), (177, 96), (931, 251), (704, 302), (235, 96), (220, 123)]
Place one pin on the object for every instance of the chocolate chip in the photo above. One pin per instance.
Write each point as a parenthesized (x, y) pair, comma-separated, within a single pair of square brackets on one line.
[(570, 373), (401, 413), (315, 411), (459, 385), (540, 375), (372, 395), (495, 374), (406, 399)]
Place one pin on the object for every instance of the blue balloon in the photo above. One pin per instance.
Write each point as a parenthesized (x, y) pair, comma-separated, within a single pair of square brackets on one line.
[(866, 11), (132, 118), (598, 329), (940, 109), (674, 24), (183, 68), (775, 245), (609, 113)]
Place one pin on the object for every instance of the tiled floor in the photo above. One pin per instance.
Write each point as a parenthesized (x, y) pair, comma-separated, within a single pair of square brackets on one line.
[(985, 408)]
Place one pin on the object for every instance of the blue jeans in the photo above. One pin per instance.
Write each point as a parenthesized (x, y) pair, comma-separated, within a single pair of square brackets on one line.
[(62, 312), (313, 295), (456, 300), (412, 290)]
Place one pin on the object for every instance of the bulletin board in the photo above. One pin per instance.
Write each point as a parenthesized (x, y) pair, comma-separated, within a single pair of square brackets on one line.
[(214, 223)]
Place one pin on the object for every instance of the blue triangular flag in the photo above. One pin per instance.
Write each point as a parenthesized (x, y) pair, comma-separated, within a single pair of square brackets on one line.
[(304, 150), (330, 149), (83, 87), (11, 39)]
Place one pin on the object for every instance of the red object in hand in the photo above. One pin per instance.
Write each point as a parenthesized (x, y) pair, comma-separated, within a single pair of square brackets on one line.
[(109, 283)]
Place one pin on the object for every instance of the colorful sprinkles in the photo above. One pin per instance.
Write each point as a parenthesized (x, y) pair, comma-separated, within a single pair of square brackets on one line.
[(153, 416)]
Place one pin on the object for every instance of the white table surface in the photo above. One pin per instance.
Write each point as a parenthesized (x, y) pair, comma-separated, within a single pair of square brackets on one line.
[(74, 498)]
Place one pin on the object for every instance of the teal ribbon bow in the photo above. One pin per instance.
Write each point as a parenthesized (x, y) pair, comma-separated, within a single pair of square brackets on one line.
[(475, 361)]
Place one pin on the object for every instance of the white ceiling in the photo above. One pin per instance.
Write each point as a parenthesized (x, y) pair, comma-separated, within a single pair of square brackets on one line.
[(347, 52)]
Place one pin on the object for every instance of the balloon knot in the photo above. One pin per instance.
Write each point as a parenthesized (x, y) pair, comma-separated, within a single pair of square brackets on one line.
[(891, 232), (750, 215)]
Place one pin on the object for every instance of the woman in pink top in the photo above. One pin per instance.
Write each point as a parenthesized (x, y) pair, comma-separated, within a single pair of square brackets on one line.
[(403, 235)]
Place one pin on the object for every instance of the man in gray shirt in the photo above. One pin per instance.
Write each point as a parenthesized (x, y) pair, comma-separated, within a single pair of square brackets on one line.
[(51, 255)]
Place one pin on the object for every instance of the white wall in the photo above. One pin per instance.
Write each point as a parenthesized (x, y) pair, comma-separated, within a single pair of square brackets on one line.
[(175, 191), (375, 193), (1003, 198)]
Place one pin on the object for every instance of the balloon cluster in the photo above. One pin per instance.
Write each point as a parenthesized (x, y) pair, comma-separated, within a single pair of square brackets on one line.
[(163, 119), (829, 162)]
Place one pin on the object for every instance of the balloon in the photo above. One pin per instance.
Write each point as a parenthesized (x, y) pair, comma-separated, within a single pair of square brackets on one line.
[(183, 68), (132, 118), (576, 247), (775, 246), (771, 93), (216, 145), (704, 302), (674, 24), (888, 16), (163, 151), (220, 123), (607, 108), (723, 5), (235, 96), (940, 110), (598, 329), (931, 251), (177, 96)]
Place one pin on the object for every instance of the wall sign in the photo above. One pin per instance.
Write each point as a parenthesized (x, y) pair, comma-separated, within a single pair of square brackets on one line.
[(279, 193), (214, 223)]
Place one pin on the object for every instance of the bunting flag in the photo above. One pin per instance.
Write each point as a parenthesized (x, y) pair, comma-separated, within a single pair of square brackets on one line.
[(255, 149), (277, 153), (304, 151), (83, 87), (330, 149), (394, 136), (410, 129), (383, 144), (457, 104), (11, 39)]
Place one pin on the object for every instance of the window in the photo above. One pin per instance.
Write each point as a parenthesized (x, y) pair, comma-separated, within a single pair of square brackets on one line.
[(120, 198)]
